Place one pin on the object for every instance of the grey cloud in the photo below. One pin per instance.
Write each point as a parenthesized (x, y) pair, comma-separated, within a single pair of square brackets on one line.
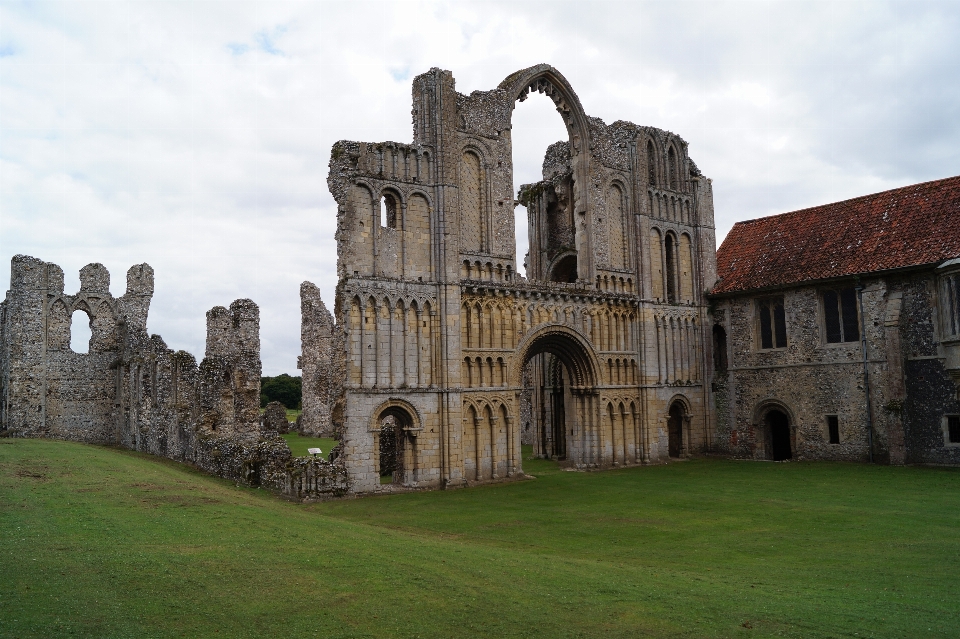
[(142, 135)]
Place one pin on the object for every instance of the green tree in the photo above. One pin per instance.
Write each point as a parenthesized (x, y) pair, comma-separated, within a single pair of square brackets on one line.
[(283, 388)]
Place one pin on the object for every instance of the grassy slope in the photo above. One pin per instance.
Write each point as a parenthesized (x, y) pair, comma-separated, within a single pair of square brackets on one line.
[(108, 543)]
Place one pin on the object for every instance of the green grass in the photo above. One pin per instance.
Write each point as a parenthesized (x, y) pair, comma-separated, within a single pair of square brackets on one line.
[(299, 445), (98, 542)]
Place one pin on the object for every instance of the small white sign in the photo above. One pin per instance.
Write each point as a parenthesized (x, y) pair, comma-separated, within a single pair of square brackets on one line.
[(314, 451)]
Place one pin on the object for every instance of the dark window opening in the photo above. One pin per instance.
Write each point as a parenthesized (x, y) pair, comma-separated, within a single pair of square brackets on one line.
[(953, 429), (651, 165), (953, 303), (671, 270), (840, 315), (773, 323), (833, 428), (565, 270), (719, 349), (391, 455)]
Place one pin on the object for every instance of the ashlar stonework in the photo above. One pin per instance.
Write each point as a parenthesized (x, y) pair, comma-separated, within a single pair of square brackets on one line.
[(451, 359)]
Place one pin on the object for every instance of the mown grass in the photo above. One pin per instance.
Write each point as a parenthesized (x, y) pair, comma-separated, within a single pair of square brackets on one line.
[(108, 543), (299, 444)]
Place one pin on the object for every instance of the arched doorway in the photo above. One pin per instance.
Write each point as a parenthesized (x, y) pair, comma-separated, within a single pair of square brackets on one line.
[(561, 371), (396, 430), (778, 435), (676, 417)]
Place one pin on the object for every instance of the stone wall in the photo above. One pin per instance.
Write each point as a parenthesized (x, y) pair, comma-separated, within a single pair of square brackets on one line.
[(322, 372), (910, 389), (131, 390)]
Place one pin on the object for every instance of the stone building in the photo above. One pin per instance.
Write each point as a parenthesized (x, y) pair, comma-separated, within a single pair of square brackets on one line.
[(439, 331), (837, 331)]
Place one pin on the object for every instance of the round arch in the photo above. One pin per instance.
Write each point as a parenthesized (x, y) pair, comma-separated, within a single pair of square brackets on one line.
[(777, 425), (568, 345), (766, 405), (544, 77), (399, 409)]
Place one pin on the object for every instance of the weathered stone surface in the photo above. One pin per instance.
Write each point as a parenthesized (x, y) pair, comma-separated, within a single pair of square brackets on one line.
[(131, 390), (323, 374), (906, 381), (274, 418), (583, 358)]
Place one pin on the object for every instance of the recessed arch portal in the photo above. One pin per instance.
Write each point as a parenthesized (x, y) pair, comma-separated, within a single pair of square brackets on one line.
[(568, 345), (395, 426), (776, 425)]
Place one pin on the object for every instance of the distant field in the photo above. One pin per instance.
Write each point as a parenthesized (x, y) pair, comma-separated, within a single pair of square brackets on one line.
[(99, 542), (299, 445)]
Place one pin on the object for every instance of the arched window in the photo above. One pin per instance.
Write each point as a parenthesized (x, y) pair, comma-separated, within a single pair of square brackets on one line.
[(651, 164), (719, 349), (388, 211), (670, 251), (672, 169), (472, 229), (80, 332)]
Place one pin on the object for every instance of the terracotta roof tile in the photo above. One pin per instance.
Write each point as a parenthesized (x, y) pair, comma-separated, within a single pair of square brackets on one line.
[(910, 226)]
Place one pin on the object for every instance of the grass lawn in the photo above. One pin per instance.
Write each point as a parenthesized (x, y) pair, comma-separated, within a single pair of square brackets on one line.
[(299, 445), (99, 542)]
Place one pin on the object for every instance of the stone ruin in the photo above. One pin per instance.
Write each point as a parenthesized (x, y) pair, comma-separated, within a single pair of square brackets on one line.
[(447, 360), (275, 418), (439, 360), (322, 373), (133, 391)]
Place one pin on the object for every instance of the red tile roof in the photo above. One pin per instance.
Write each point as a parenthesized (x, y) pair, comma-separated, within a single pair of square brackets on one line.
[(910, 226)]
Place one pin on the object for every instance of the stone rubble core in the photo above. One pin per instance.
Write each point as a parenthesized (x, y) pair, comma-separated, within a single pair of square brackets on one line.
[(322, 374), (133, 391), (446, 360)]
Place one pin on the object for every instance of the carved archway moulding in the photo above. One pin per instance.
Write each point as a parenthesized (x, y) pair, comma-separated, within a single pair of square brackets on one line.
[(568, 344), (395, 406)]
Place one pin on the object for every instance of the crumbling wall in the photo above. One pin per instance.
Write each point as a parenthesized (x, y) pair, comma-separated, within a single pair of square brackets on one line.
[(322, 372), (275, 418), (132, 390)]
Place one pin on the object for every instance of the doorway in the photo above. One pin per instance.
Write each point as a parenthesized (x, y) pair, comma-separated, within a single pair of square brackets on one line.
[(675, 419), (778, 425)]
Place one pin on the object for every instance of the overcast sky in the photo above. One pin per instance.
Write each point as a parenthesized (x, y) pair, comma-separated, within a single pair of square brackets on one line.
[(195, 135)]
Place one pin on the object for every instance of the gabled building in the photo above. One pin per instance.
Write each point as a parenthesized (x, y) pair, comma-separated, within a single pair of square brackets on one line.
[(837, 331)]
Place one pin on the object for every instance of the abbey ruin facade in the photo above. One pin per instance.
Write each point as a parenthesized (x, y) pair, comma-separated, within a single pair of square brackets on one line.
[(829, 333), (451, 359)]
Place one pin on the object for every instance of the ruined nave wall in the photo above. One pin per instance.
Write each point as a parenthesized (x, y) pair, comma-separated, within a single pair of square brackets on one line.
[(132, 390)]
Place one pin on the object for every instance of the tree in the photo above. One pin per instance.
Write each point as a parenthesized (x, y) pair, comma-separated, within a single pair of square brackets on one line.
[(283, 388)]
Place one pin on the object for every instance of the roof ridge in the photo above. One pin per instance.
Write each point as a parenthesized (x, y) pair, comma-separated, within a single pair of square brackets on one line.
[(852, 199)]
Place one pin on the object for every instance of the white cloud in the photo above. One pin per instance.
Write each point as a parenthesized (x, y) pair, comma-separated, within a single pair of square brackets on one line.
[(195, 135)]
